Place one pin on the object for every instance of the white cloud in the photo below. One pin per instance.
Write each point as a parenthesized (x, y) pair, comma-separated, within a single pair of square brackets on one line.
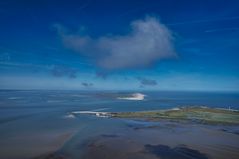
[(148, 42)]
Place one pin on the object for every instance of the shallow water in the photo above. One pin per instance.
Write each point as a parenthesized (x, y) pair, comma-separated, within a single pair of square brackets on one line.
[(34, 123)]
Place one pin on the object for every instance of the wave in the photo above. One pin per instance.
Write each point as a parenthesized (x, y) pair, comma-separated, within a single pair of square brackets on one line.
[(134, 96), (96, 113), (100, 109), (55, 101), (70, 116), (14, 98)]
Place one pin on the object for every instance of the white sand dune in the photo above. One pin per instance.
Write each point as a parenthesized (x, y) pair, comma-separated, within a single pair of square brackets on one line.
[(134, 96)]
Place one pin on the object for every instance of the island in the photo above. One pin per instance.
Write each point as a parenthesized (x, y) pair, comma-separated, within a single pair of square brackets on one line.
[(204, 115)]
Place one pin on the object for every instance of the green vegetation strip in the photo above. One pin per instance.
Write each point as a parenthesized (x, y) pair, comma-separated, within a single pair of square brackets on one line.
[(198, 114)]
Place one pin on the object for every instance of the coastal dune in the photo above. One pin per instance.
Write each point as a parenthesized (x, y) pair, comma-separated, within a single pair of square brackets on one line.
[(134, 96)]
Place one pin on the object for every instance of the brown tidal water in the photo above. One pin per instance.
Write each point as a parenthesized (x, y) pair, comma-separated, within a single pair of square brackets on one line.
[(179, 142), (164, 140)]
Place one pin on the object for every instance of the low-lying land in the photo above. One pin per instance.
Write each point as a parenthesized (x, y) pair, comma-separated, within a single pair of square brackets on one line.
[(203, 115)]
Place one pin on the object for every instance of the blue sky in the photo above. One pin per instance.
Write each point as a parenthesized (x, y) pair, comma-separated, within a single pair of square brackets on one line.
[(120, 45)]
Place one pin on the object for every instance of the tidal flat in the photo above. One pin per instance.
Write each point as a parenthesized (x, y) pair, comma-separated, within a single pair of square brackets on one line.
[(157, 140), (184, 133), (42, 125)]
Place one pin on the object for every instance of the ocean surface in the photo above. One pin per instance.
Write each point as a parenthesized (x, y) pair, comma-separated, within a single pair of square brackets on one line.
[(37, 122)]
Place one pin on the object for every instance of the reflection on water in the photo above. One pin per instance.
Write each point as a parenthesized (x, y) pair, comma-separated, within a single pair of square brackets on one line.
[(164, 140), (179, 152)]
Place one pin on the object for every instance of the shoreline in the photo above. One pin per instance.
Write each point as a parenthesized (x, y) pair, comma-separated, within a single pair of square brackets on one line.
[(199, 114), (161, 138)]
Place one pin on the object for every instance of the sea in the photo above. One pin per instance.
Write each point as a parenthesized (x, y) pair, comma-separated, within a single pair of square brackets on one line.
[(34, 123)]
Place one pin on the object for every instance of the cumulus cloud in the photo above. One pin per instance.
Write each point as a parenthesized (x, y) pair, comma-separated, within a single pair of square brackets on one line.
[(148, 42), (62, 71), (147, 82), (85, 84)]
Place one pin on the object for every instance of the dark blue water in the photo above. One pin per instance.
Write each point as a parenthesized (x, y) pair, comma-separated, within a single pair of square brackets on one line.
[(37, 101), (26, 116)]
